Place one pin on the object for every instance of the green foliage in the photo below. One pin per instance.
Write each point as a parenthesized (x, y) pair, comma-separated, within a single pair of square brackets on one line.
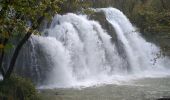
[(17, 88), (18, 15), (88, 12), (153, 21), (18, 20), (8, 47), (75, 5)]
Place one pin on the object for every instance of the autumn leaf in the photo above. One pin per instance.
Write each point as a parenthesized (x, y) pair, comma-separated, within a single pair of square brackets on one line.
[(6, 35), (1, 46)]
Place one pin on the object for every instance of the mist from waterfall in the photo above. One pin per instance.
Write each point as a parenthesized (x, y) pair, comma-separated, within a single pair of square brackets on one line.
[(81, 52)]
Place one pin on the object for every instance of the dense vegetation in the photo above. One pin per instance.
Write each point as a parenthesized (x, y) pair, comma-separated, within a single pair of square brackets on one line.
[(17, 88), (153, 19)]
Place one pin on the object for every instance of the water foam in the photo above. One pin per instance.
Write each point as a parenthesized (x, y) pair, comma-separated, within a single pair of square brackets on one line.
[(82, 54)]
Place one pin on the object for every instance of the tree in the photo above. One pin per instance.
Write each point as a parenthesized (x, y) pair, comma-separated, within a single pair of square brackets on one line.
[(75, 5), (20, 19)]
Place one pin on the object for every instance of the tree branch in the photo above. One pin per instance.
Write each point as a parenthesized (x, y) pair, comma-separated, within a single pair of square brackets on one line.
[(16, 53)]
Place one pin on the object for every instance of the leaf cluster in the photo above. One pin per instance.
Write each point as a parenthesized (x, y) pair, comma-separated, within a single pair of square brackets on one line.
[(75, 5), (17, 88), (154, 21), (19, 16)]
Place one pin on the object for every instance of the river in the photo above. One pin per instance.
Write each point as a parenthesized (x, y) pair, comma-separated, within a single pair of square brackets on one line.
[(142, 89)]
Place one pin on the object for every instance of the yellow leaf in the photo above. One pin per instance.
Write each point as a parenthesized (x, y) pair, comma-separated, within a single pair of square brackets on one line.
[(6, 35), (1, 46)]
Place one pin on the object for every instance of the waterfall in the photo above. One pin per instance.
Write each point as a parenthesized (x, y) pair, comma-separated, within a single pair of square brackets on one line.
[(79, 52), (139, 52)]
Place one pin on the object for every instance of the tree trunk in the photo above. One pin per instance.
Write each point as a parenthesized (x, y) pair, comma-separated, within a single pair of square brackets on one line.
[(1, 61), (15, 54), (163, 4), (2, 57)]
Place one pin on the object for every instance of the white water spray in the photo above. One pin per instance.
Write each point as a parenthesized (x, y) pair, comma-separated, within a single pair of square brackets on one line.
[(82, 54)]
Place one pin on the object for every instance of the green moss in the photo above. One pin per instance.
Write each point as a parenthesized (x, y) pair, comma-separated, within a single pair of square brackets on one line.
[(17, 88)]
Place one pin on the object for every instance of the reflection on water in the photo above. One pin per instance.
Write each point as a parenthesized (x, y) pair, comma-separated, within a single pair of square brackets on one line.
[(143, 89)]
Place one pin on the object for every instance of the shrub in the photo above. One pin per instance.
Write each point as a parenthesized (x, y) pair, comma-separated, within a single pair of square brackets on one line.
[(17, 88)]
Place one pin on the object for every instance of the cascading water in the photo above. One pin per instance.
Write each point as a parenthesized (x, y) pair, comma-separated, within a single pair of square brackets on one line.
[(81, 53), (139, 52)]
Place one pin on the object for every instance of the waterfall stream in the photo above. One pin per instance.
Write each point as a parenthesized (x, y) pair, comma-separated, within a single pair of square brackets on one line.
[(79, 52)]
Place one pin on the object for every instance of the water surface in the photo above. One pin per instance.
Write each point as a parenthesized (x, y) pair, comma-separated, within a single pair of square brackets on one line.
[(142, 89)]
